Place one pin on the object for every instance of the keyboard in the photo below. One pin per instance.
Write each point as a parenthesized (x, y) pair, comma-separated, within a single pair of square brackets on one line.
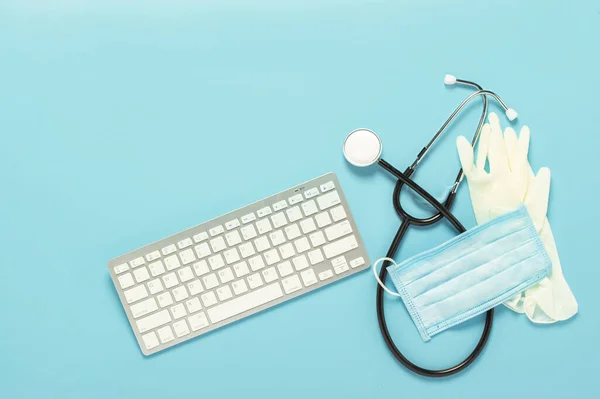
[(238, 264)]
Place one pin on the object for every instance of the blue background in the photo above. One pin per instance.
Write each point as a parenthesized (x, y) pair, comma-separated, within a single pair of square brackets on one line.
[(124, 122)]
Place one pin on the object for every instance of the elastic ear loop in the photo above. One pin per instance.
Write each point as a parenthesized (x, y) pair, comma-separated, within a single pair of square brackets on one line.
[(374, 268)]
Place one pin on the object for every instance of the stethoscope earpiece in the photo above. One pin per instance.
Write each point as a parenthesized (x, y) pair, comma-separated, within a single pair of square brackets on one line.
[(362, 147)]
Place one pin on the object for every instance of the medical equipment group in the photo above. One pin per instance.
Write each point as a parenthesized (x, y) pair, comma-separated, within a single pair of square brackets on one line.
[(510, 258)]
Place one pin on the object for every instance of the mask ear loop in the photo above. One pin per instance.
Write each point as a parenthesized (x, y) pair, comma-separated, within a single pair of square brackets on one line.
[(374, 268)]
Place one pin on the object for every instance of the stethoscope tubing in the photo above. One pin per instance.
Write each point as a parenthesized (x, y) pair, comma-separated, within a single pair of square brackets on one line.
[(443, 210)]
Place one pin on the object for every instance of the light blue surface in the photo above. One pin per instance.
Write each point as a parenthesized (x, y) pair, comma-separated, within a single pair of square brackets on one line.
[(124, 123)]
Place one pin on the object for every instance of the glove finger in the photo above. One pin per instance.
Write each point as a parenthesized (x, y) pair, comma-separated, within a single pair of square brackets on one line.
[(512, 145), (483, 146), (497, 156), (536, 199), (524, 139), (465, 154)]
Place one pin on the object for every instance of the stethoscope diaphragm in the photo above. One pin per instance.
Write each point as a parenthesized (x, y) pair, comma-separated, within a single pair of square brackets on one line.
[(362, 147)]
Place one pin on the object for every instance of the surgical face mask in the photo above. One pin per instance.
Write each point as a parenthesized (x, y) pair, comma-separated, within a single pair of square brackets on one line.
[(471, 273)]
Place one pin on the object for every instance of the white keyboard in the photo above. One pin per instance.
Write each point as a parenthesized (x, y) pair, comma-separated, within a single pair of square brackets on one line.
[(238, 264)]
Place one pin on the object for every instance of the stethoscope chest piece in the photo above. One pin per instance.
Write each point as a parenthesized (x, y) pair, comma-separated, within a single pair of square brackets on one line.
[(362, 147)]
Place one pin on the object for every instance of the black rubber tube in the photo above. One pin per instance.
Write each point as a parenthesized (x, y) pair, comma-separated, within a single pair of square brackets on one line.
[(444, 211)]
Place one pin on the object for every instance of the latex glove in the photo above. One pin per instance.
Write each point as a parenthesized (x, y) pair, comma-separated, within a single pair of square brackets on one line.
[(505, 186), (511, 178), (551, 299)]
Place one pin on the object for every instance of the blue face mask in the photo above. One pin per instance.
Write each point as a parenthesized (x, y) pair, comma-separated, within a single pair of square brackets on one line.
[(471, 273)]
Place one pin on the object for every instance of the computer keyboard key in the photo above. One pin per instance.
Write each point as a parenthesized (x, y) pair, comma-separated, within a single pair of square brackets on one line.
[(195, 287), (202, 250), (216, 230), (178, 311), (186, 242), (126, 281), (340, 260), (277, 237), (270, 275), (302, 245), (309, 208), (165, 334), (172, 262), (193, 305), (233, 238), (154, 320), (239, 287), (246, 250), (143, 308), (198, 321), (315, 257), (200, 237), (150, 340), (155, 286), (338, 213), (208, 299), (170, 280), (327, 186), (325, 274), (323, 219), (328, 200), (287, 251), (141, 274), (181, 328), (180, 293), (357, 262), (279, 205), (291, 284), (256, 263), (216, 262), (295, 199), (254, 280), (278, 220), (339, 247), (156, 268), (185, 274), (165, 299), (294, 214), (285, 268), (245, 302), (341, 268), (300, 262), (262, 244), (263, 226), (338, 230), (169, 249), (218, 244), (308, 277), (225, 275), (241, 269), (232, 224), (311, 193), (135, 294), (250, 217), (308, 225), (248, 232), (271, 257), (224, 293), (137, 262), (201, 268), (292, 232), (210, 281), (231, 256), (187, 256), (122, 268), (264, 212), (317, 238)]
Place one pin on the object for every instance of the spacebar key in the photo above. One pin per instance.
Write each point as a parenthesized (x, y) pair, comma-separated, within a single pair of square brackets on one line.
[(245, 302)]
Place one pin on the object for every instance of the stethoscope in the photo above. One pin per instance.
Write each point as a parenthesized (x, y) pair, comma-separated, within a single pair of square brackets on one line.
[(362, 147)]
